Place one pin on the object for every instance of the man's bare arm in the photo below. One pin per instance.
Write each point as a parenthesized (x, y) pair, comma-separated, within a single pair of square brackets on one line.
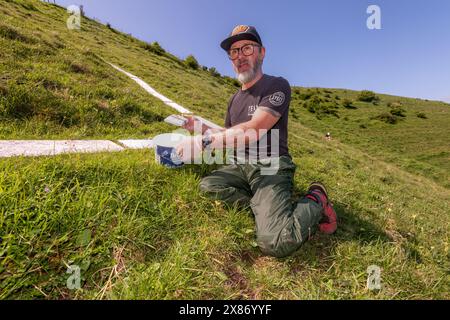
[(260, 120), (225, 137)]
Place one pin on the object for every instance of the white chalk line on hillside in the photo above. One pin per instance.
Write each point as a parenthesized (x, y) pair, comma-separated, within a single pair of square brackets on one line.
[(164, 99), (152, 91), (32, 148)]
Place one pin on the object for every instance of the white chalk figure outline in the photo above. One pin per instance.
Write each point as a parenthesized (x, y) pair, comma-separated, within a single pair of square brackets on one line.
[(74, 281), (374, 20), (74, 21), (373, 277)]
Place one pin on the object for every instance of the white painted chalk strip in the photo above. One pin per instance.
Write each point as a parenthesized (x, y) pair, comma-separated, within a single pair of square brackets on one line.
[(152, 91), (29, 148), (164, 99), (136, 144), (13, 148)]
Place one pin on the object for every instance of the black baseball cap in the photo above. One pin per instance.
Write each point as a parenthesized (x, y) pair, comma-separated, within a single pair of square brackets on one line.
[(241, 32)]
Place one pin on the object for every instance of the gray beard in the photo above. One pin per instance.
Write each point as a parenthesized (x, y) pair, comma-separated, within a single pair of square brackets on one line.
[(250, 75), (246, 77)]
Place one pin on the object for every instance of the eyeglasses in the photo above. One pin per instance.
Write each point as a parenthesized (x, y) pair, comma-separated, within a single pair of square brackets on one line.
[(247, 50)]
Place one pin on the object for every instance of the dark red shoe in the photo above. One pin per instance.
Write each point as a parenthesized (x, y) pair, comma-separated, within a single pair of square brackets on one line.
[(318, 193)]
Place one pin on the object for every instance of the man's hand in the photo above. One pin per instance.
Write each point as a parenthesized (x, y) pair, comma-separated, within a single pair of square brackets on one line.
[(189, 149), (193, 125)]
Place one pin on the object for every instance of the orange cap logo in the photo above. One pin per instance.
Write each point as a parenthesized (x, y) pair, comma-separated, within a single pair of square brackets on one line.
[(239, 29)]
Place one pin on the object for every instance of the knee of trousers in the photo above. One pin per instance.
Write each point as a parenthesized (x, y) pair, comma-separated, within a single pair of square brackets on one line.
[(215, 190), (207, 185), (276, 246)]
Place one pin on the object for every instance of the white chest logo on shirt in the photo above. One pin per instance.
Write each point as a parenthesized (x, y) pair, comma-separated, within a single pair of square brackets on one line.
[(251, 110), (277, 99)]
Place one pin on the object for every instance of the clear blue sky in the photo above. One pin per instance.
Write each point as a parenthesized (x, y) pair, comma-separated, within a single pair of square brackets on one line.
[(322, 43)]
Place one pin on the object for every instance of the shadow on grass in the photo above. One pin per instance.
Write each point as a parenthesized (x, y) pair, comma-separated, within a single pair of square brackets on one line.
[(318, 251), (352, 226)]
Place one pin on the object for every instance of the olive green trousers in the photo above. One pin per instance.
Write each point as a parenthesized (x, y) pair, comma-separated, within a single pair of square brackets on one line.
[(281, 226)]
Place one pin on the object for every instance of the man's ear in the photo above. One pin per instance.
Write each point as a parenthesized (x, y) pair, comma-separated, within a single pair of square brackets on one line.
[(263, 53)]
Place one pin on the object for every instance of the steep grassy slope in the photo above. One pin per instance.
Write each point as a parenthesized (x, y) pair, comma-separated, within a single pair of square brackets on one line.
[(152, 235), (138, 230), (55, 83)]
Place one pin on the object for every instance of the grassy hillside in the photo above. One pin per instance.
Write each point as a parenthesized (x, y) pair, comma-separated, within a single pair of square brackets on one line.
[(55, 83), (412, 133), (138, 230)]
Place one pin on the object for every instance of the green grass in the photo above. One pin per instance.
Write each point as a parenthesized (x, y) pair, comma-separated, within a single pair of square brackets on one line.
[(139, 230), (415, 144), (155, 236)]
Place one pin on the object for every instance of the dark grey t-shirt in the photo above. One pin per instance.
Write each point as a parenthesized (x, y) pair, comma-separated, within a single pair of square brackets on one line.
[(272, 94)]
